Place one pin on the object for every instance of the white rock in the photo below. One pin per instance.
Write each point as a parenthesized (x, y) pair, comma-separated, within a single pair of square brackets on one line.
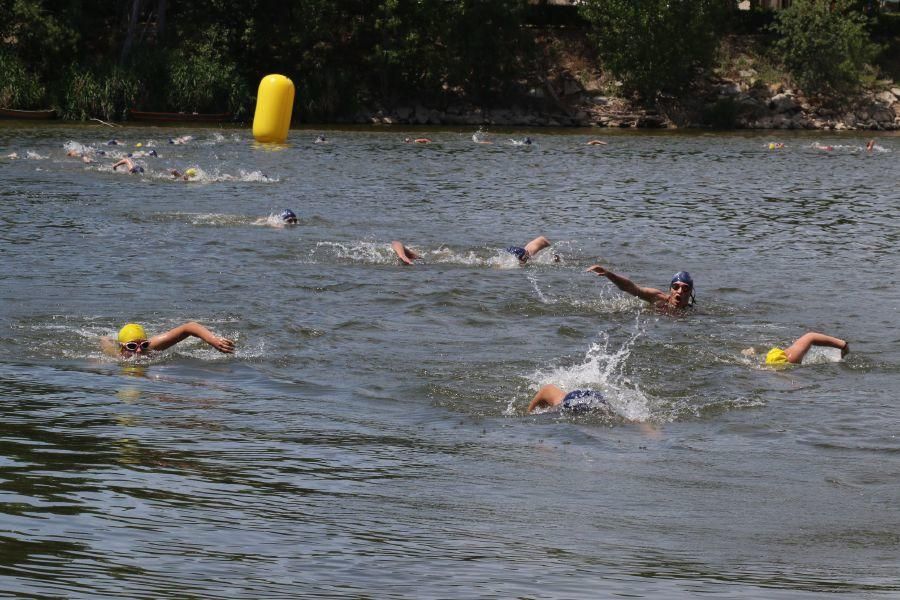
[(783, 103)]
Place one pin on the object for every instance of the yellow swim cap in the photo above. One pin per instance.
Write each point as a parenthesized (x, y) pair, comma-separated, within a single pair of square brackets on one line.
[(138, 145), (776, 356), (131, 332), (192, 172), (771, 145)]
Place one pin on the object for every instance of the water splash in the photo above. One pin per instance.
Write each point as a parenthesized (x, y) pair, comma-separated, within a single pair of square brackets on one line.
[(602, 369)]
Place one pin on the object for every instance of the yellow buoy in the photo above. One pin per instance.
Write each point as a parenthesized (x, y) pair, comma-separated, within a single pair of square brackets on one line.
[(274, 104)]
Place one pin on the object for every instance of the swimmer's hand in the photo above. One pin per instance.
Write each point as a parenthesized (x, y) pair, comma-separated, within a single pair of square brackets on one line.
[(223, 345), (599, 270), (751, 351), (845, 350)]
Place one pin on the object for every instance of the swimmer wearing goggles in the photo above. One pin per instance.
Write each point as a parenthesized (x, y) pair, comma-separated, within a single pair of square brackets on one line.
[(679, 297), (132, 341)]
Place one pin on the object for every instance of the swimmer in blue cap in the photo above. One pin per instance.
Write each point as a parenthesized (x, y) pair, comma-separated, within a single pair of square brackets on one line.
[(530, 249), (288, 216), (129, 164), (576, 401), (320, 139), (679, 296)]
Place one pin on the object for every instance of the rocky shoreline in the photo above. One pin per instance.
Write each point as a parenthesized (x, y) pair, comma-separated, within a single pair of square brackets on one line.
[(744, 104)]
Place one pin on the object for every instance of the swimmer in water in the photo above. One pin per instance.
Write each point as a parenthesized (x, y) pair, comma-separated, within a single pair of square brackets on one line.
[(596, 143), (417, 141), (776, 145), (84, 157), (320, 139), (404, 254), (794, 353), (132, 341), (186, 176), (128, 164), (531, 249), (184, 139), (576, 401), (476, 137), (288, 217), (679, 296), (870, 145), (819, 146)]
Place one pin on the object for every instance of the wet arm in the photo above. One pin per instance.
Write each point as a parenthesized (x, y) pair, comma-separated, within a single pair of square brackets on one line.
[(192, 329), (628, 286), (796, 351)]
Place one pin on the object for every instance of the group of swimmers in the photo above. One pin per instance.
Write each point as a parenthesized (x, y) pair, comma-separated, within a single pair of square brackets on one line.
[(132, 340)]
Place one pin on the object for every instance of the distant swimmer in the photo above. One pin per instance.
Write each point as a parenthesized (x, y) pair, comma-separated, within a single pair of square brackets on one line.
[(680, 295), (184, 139), (870, 145), (83, 156), (776, 145), (794, 353), (596, 143), (13, 155), (576, 401), (421, 140), (128, 164), (288, 217), (819, 146), (404, 254), (476, 137), (320, 139), (113, 143), (187, 175), (531, 249), (132, 341)]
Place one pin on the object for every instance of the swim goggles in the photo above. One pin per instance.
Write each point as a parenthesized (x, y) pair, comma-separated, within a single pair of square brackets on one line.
[(133, 346)]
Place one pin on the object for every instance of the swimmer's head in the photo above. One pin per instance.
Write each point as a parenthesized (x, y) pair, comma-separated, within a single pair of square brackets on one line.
[(527, 141), (776, 356), (112, 143), (130, 333), (288, 216), (139, 145), (682, 289), (137, 169), (192, 172), (152, 153), (171, 141)]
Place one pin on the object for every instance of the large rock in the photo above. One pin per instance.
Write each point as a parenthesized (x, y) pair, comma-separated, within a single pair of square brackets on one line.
[(883, 115), (886, 97), (728, 89), (782, 103)]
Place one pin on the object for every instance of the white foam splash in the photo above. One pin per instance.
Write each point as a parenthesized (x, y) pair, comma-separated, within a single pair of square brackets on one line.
[(32, 155), (602, 369)]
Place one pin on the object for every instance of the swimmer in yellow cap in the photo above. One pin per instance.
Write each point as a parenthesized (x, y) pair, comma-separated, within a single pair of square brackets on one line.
[(187, 175), (133, 341), (794, 353)]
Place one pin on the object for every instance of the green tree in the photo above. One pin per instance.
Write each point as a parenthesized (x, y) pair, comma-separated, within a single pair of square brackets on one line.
[(655, 46), (824, 45)]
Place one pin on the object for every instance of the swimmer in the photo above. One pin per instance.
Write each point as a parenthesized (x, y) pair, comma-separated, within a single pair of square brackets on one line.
[(870, 145), (13, 155), (320, 139), (132, 341), (576, 401), (404, 254), (186, 176), (531, 249), (776, 145), (476, 137), (184, 139), (596, 143), (680, 295), (819, 146), (113, 143), (128, 164), (422, 140), (84, 157), (794, 353), (288, 217)]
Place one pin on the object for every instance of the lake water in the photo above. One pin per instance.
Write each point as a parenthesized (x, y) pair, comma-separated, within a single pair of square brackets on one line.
[(369, 436)]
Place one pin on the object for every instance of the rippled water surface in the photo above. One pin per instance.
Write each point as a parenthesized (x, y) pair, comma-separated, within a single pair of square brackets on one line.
[(369, 436)]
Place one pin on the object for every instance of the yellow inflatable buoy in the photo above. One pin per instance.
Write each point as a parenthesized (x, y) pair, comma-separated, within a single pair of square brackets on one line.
[(274, 104)]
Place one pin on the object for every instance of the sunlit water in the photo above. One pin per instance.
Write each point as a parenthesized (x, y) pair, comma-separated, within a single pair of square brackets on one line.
[(369, 436)]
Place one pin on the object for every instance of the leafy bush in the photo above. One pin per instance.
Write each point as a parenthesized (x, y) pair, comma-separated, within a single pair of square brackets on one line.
[(103, 92), (205, 78), (18, 87), (825, 46), (656, 46)]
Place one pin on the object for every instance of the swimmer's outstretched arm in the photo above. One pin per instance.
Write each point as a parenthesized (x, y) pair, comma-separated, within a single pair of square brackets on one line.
[(192, 329), (125, 161), (405, 255), (109, 346), (796, 351), (548, 395), (629, 287), (536, 245)]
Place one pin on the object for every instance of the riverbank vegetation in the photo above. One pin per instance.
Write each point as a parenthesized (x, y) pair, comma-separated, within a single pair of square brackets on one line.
[(99, 58)]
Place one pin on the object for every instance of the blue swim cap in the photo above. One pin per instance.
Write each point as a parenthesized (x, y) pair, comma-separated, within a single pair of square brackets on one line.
[(112, 143), (288, 216), (682, 277), (137, 170), (171, 141), (129, 155), (527, 140), (152, 153), (101, 152)]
